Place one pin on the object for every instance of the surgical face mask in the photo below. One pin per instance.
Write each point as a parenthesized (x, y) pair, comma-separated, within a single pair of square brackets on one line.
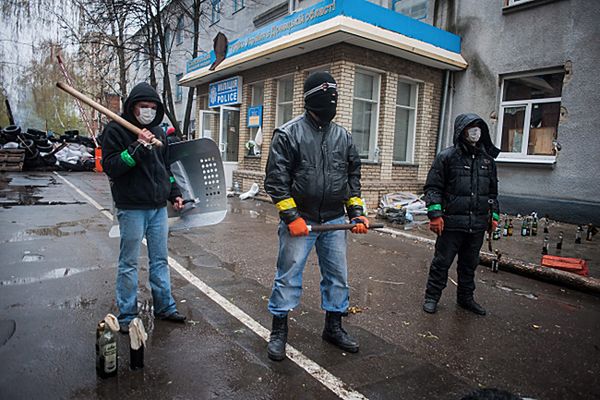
[(146, 116), (473, 134)]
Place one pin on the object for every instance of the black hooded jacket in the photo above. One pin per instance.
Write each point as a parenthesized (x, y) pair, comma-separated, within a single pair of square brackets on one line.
[(140, 177), (462, 184), (316, 166)]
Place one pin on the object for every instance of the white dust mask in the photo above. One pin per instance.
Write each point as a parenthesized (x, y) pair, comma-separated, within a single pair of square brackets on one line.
[(146, 116), (473, 134)]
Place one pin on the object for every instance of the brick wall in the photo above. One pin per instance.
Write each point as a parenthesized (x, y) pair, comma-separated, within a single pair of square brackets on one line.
[(378, 178)]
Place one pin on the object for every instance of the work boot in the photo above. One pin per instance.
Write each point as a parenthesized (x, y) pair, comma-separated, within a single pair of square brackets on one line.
[(471, 305), (336, 335), (430, 306), (276, 346)]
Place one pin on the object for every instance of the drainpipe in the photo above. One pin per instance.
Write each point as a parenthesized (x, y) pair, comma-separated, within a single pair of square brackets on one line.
[(443, 112)]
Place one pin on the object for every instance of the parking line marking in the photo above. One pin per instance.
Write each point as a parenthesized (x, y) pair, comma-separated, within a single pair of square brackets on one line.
[(326, 378)]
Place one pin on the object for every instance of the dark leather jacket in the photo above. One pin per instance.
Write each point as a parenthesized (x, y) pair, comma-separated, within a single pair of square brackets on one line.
[(462, 184), (316, 166)]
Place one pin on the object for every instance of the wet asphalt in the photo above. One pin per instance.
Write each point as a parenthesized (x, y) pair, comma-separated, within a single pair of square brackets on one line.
[(57, 272)]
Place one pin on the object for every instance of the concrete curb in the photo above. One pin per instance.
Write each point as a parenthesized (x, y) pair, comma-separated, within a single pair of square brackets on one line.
[(582, 283)]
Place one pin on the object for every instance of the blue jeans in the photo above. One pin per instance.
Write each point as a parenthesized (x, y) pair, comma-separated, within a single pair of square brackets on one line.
[(134, 225), (293, 252)]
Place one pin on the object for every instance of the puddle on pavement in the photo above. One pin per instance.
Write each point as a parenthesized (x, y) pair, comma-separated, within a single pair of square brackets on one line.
[(59, 230), (32, 258), (53, 274), (509, 289), (7, 330)]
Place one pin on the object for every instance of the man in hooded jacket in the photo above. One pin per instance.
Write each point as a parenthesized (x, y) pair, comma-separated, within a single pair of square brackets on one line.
[(141, 183), (461, 194), (313, 177)]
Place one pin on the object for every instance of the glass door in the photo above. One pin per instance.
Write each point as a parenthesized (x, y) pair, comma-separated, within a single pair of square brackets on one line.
[(230, 134), (209, 125)]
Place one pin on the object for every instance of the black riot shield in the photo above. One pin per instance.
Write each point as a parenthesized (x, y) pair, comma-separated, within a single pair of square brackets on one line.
[(198, 171)]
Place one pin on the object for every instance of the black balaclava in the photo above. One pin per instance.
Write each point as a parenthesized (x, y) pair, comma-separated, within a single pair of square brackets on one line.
[(320, 96)]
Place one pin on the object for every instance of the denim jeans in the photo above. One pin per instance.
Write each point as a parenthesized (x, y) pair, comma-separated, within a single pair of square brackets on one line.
[(134, 225), (293, 252)]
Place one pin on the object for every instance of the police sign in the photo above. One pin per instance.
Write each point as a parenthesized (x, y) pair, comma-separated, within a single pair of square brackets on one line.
[(226, 92)]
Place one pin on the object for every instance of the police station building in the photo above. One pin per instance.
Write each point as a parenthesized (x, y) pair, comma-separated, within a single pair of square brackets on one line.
[(390, 71)]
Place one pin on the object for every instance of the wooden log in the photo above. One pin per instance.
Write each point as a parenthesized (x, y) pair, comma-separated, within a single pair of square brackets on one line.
[(587, 284)]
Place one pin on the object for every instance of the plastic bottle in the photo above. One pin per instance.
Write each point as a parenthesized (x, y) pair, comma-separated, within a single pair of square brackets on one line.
[(578, 235), (534, 226), (510, 228)]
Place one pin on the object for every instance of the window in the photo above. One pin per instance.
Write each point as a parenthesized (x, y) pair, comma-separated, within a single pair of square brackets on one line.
[(416, 9), (285, 97), (178, 88), (238, 5), (529, 114), (364, 114), (404, 131), (179, 33), (257, 91), (167, 37), (216, 11)]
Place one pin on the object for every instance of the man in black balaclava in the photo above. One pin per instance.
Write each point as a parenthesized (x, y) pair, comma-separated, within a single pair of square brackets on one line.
[(313, 177)]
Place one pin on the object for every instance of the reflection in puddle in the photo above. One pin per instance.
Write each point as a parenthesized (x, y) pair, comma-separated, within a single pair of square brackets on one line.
[(54, 274), (32, 258)]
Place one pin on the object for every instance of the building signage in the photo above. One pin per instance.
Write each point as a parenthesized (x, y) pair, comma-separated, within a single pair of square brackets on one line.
[(290, 24), (226, 92), (361, 10), (255, 116)]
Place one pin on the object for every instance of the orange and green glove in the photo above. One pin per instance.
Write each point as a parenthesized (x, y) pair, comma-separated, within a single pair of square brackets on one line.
[(362, 224), (298, 227), (436, 225)]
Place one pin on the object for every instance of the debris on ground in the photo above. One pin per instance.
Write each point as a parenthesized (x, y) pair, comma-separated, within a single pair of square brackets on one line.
[(401, 207)]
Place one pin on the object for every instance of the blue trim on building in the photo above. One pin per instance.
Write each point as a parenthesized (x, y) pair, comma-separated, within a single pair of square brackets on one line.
[(361, 10)]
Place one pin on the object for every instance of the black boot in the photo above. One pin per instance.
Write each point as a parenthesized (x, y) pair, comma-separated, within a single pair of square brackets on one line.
[(276, 346), (430, 306), (471, 305), (336, 335)]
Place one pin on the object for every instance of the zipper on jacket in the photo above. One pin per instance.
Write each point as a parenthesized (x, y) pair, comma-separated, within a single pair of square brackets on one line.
[(323, 153)]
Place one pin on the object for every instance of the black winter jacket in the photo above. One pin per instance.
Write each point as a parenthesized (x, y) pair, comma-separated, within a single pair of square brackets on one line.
[(316, 166), (462, 184), (140, 178)]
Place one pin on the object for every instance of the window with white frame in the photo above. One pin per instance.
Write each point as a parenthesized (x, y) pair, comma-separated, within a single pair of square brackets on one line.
[(179, 33), (365, 113), (285, 100), (238, 5), (529, 115), (257, 95), (215, 15), (178, 88), (405, 127)]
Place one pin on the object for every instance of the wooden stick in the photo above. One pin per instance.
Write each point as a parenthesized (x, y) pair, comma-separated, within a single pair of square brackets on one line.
[(100, 108)]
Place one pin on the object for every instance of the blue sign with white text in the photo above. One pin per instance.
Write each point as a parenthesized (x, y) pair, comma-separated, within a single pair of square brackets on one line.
[(226, 92), (255, 116)]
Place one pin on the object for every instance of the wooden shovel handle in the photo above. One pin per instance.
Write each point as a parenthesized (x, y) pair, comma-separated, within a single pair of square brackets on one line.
[(100, 108)]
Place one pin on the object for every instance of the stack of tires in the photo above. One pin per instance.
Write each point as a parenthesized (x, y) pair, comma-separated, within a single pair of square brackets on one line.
[(34, 142)]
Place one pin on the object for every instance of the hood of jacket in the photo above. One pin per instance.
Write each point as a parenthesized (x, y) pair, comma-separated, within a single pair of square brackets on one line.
[(143, 92), (464, 120)]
